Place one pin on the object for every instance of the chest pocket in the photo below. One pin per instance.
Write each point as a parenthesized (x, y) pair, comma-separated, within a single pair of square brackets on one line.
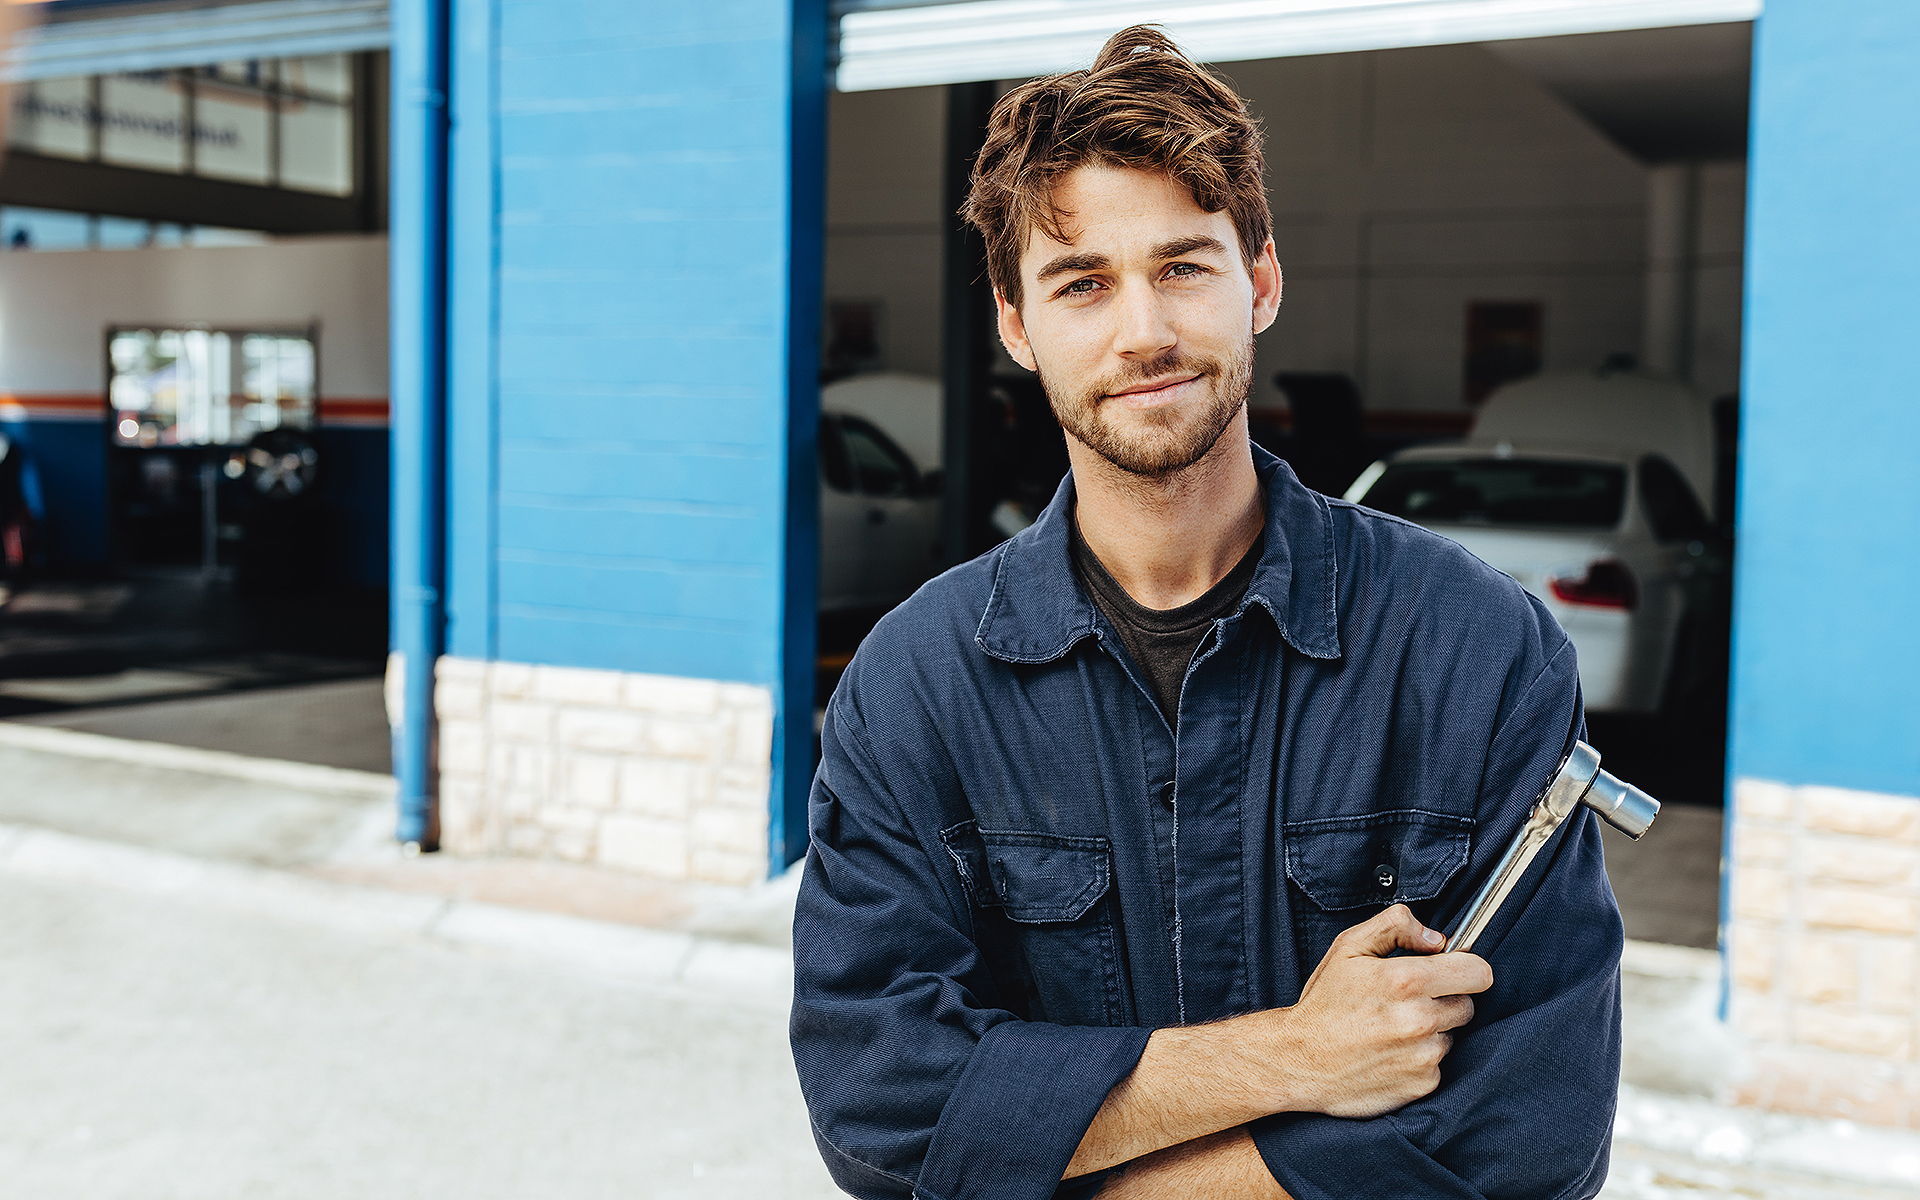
[(1346, 869), (1044, 920)]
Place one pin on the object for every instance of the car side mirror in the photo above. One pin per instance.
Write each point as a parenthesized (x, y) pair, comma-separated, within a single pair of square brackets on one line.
[(933, 484)]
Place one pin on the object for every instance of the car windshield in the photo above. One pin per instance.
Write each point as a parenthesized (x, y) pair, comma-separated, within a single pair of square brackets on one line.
[(1502, 491)]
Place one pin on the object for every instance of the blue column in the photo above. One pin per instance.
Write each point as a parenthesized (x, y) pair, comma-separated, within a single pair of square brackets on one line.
[(1827, 642), (637, 206)]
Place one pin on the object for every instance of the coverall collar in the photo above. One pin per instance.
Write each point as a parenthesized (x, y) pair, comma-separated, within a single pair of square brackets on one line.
[(1038, 610)]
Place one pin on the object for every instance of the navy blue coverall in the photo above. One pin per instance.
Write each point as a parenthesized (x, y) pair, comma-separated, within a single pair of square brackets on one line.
[(1018, 870)]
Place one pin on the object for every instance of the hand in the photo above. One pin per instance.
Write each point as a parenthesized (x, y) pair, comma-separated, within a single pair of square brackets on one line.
[(1368, 1032), (1366, 1037)]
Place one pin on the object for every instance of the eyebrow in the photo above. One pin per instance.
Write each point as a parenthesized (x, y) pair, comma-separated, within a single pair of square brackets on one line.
[(1069, 264)]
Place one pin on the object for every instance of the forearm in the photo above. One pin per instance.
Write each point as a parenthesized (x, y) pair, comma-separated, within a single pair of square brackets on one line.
[(1190, 1082), (1366, 1036), (1222, 1166)]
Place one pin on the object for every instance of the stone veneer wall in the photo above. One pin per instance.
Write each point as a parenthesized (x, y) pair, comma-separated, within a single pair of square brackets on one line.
[(655, 774), (1824, 938)]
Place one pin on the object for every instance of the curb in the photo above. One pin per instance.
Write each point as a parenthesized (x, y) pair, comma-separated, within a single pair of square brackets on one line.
[(305, 776), (741, 971)]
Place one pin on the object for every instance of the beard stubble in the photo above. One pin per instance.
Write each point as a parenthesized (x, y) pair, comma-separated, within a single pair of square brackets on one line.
[(1165, 441)]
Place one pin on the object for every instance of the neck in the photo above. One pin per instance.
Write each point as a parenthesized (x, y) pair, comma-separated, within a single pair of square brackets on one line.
[(1167, 540)]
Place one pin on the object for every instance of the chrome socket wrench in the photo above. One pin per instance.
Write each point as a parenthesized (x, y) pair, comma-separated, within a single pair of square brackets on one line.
[(1579, 781)]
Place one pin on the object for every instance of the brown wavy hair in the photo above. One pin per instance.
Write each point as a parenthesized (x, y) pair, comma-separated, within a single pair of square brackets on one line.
[(1143, 104)]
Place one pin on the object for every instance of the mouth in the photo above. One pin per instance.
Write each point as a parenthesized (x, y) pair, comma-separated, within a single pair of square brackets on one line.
[(1155, 391)]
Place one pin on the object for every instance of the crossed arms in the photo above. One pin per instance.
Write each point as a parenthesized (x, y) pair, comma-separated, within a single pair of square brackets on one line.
[(1366, 1037)]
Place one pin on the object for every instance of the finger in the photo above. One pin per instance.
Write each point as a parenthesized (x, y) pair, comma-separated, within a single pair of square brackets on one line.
[(1454, 1011), (1394, 929), (1456, 974)]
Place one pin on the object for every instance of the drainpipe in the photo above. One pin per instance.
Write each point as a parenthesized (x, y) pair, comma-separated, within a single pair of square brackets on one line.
[(417, 275)]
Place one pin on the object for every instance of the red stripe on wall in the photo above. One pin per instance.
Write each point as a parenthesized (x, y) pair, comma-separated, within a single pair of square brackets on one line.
[(52, 406), (357, 408), (362, 411)]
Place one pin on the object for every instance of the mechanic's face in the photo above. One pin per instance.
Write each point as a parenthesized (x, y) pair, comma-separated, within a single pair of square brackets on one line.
[(1141, 328)]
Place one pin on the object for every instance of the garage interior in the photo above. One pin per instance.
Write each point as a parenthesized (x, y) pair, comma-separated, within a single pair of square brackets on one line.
[(1449, 218), (157, 592)]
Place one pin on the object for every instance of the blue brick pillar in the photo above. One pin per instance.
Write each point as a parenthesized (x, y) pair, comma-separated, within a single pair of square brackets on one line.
[(1823, 914), (634, 269)]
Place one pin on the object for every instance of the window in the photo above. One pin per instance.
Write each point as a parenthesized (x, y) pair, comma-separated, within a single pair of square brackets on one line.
[(881, 467), (1673, 511), (1502, 491), (207, 387), (856, 456), (834, 467), (273, 122)]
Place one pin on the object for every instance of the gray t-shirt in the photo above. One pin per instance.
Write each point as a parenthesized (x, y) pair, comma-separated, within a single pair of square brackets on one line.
[(1161, 642)]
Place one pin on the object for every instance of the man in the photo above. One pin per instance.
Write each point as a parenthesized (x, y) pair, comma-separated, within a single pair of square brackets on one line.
[(1128, 835)]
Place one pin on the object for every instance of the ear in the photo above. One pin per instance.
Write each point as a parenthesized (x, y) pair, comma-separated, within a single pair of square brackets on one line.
[(1267, 285), (1013, 332)]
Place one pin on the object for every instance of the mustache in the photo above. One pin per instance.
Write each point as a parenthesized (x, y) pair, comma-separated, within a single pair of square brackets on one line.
[(1172, 363)]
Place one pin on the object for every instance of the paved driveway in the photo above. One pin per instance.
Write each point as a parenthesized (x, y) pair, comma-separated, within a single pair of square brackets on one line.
[(160, 1047)]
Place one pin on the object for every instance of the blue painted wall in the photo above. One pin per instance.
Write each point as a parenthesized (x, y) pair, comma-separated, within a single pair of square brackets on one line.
[(1827, 618), (70, 459), (625, 389)]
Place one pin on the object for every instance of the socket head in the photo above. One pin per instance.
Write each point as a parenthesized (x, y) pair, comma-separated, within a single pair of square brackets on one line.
[(1624, 806)]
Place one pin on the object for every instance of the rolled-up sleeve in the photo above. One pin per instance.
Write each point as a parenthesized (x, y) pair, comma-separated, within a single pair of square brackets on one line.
[(916, 1081), (1526, 1106)]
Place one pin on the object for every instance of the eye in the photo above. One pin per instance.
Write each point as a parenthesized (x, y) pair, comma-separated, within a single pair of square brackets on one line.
[(1080, 287), (1185, 270)]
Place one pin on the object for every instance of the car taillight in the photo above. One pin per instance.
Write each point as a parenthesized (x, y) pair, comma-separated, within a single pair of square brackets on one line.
[(1606, 583)]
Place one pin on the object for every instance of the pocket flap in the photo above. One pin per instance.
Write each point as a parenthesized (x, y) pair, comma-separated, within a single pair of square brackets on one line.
[(1394, 857), (1030, 876)]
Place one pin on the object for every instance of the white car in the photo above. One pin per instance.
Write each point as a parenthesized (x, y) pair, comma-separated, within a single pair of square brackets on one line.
[(879, 517), (1588, 490)]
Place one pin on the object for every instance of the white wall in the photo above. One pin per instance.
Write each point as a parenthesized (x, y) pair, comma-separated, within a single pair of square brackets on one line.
[(55, 306), (1404, 184)]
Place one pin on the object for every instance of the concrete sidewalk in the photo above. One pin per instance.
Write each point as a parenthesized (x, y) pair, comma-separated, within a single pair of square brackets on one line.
[(270, 928), (174, 1028)]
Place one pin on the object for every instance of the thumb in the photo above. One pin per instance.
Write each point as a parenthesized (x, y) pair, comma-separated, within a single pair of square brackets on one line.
[(1394, 929)]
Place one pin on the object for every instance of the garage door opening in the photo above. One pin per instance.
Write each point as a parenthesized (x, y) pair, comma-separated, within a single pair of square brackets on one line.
[(1457, 224)]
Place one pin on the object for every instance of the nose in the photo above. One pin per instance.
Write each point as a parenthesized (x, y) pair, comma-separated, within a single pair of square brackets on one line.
[(1144, 326)]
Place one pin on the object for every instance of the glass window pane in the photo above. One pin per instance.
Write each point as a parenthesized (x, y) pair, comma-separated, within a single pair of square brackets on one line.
[(50, 116), (881, 469), (1673, 511), (141, 118), (43, 229), (328, 76), (257, 73), (276, 382), (174, 387), (215, 235), (230, 132), (170, 387), (316, 146), (121, 233), (1490, 491), (834, 467)]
